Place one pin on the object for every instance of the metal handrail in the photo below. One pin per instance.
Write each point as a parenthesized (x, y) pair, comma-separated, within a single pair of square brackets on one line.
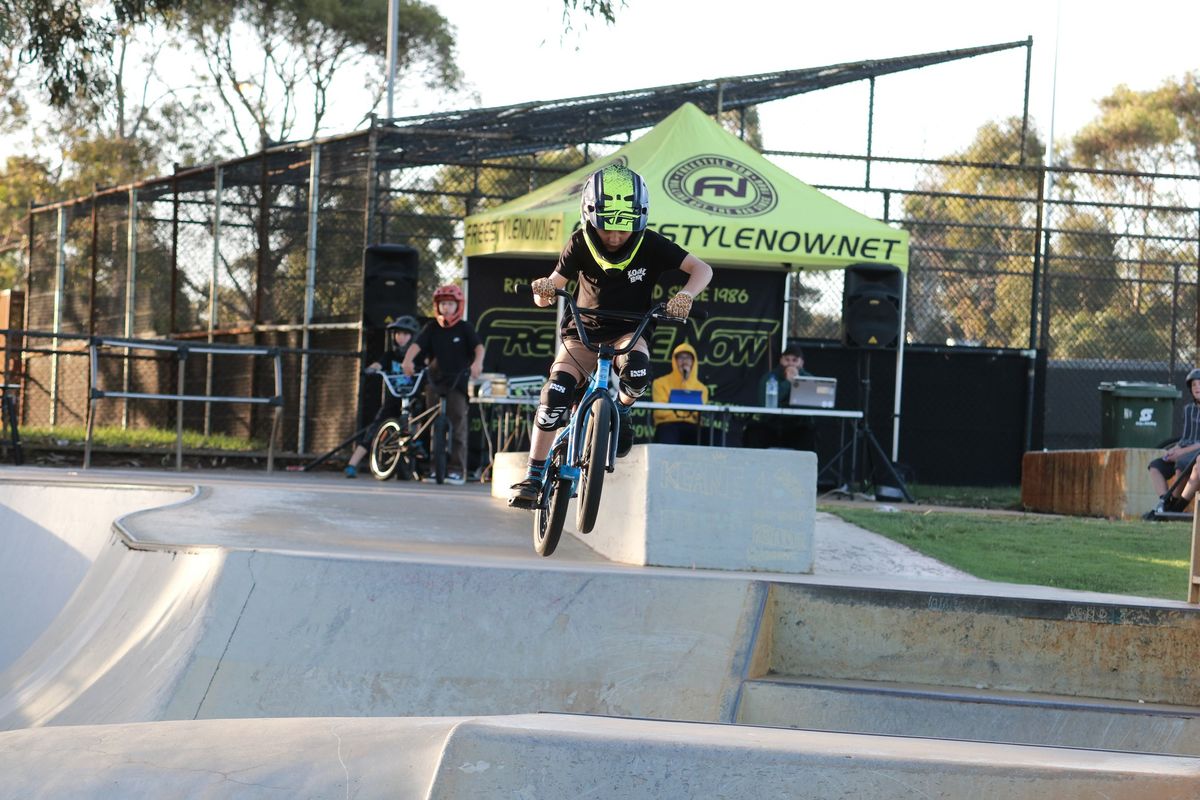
[(181, 350)]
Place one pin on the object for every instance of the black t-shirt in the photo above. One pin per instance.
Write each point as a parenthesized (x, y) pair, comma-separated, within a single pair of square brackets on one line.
[(391, 359), (453, 348), (629, 289)]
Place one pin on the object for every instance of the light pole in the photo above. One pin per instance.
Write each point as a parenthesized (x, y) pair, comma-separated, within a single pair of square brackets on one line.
[(393, 35)]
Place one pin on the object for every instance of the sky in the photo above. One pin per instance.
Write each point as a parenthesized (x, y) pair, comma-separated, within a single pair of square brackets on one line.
[(514, 51)]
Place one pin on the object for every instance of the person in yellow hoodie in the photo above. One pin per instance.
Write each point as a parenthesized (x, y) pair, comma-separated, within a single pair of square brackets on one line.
[(679, 385)]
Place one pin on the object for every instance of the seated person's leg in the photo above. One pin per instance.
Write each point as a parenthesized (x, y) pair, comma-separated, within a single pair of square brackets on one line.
[(1161, 471), (1193, 483)]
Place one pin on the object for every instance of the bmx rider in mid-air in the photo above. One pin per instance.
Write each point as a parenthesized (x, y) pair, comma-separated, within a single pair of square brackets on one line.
[(617, 263)]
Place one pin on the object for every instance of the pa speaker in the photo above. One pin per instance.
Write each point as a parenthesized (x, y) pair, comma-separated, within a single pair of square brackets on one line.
[(389, 283), (871, 306)]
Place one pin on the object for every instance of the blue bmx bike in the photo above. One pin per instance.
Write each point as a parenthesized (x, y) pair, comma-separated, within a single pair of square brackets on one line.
[(586, 448)]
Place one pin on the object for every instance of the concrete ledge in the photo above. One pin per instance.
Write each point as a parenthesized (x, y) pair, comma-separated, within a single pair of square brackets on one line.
[(1111, 483), (709, 507), (706, 507), (548, 755)]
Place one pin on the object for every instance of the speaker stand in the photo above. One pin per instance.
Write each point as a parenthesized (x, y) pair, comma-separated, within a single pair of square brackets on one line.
[(863, 440)]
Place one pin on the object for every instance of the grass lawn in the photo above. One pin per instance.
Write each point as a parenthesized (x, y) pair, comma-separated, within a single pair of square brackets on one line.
[(1146, 559), (151, 439)]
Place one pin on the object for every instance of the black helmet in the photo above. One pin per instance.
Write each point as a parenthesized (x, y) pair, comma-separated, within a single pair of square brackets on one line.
[(1194, 375), (614, 198), (405, 323)]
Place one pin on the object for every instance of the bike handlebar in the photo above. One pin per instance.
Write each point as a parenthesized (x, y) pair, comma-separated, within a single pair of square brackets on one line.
[(658, 312), (397, 388)]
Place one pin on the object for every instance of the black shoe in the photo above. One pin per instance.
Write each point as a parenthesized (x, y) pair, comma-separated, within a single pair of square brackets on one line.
[(525, 494), (625, 435), (1174, 504)]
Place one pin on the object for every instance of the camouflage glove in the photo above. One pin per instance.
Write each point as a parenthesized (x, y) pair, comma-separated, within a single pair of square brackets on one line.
[(680, 305), (543, 288)]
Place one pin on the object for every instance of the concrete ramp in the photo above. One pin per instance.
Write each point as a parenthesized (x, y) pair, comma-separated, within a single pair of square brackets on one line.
[(207, 633), (556, 756), (50, 534), (121, 644)]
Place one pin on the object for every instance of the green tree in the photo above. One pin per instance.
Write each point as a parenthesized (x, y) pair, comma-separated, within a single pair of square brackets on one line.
[(1136, 137), (299, 48), (70, 43), (971, 225), (24, 180)]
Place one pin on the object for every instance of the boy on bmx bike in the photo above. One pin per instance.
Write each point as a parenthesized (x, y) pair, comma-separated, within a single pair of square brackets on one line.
[(617, 263)]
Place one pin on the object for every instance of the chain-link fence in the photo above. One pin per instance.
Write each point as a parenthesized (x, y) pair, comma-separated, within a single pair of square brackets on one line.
[(54, 373), (1095, 270)]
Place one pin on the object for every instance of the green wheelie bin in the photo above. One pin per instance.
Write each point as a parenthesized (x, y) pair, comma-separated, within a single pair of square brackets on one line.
[(1134, 414)]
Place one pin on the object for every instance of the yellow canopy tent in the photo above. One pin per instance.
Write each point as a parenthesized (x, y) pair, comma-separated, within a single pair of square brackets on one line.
[(712, 194)]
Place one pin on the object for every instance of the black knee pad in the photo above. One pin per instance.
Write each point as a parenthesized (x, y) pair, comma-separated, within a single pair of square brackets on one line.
[(635, 374), (556, 401)]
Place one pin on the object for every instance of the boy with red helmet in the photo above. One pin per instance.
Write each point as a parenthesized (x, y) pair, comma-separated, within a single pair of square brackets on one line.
[(453, 350)]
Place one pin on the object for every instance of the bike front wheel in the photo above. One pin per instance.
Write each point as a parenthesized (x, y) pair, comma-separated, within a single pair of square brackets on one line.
[(440, 447), (385, 450), (595, 464), (551, 513)]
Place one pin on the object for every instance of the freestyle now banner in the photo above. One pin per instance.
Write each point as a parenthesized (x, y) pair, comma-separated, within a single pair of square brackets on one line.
[(712, 194)]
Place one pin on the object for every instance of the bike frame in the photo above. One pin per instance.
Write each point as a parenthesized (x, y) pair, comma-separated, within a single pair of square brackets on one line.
[(406, 392), (598, 390)]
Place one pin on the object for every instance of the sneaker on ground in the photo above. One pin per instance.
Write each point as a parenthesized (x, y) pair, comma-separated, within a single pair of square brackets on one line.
[(625, 434), (351, 471), (1174, 503), (525, 494), (454, 479)]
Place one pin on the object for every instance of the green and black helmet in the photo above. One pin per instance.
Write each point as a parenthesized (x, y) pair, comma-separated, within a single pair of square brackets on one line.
[(614, 199)]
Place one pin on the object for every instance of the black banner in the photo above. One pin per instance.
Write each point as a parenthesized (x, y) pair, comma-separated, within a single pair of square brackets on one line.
[(736, 344)]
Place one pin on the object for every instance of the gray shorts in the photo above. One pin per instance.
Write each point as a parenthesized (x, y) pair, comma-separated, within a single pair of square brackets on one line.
[(1168, 468)]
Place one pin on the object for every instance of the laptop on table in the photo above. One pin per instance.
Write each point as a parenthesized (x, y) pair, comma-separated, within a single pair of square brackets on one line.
[(811, 392)]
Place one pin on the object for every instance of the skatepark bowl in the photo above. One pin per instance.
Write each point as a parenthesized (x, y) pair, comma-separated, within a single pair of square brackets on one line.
[(297, 635)]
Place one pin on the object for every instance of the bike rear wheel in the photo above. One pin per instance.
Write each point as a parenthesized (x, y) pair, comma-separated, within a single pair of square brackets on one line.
[(386, 449), (551, 512), (440, 447), (595, 464)]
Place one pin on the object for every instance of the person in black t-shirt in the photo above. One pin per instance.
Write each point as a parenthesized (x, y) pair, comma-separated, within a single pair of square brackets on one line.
[(616, 262), (453, 350)]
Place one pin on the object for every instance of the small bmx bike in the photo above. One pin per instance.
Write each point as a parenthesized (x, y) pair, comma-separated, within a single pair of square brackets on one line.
[(398, 447)]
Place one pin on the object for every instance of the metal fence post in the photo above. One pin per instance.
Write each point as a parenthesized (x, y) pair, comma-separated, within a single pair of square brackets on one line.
[(1196, 341), (310, 288), (213, 282), (870, 131), (60, 274), (180, 384), (130, 294)]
